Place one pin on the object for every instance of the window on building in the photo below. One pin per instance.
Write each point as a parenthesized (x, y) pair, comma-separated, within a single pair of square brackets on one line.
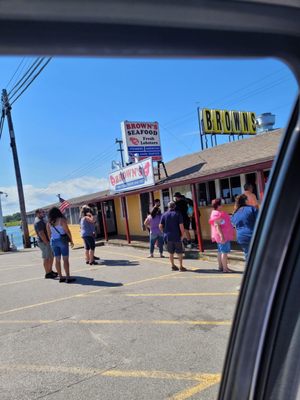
[(225, 190), (202, 194), (211, 191), (230, 188), (206, 192), (166, 198), (235, 185), (251, 178)]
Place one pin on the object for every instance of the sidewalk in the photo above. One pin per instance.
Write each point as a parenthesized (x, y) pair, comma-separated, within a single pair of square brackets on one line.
[(236, 256)]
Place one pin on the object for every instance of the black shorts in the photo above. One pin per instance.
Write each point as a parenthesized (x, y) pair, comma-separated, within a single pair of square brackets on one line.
[(174, 247), (186, 224), (89, 242)]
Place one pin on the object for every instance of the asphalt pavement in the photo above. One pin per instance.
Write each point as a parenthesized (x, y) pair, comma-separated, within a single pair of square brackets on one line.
[(128, 328)]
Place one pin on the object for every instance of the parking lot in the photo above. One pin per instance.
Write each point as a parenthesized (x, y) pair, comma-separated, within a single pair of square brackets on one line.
[(129, 328)]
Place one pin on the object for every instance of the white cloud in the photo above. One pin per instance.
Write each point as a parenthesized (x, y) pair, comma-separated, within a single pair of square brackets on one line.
[(36, 197)]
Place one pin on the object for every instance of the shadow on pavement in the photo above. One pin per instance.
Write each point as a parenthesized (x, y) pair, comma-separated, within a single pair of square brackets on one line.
[(213, 271), (82, 280), (118, 263)]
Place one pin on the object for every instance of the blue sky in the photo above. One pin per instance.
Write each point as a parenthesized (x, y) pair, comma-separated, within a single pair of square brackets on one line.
[(67, 121)]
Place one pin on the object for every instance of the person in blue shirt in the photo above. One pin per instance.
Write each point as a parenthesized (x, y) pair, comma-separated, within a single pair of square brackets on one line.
[(171, 224), (243, 219)]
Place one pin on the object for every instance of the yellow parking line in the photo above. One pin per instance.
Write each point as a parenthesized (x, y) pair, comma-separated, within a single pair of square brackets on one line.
[(207, 276), (37, 264), (75, 295), (181, 294), (116, 321), (155, 375), (206, 380), (39, 278)]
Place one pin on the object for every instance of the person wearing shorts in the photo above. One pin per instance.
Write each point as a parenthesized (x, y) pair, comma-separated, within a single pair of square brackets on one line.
[(44, 243), (171, 225), (222, 233), (60, 236), (87, 231)]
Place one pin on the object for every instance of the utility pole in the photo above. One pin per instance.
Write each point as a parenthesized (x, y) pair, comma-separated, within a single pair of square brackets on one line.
[(7, 108), (120, 142), (200, 128)]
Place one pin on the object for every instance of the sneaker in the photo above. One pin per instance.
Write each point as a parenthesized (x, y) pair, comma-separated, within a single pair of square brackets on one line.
[(87, 262), (62, 279), (49, 275), (189, 246), (182, 269), (96, 258), (70, 280), (55, 274), (150, 256), (174, 268), (162, 256), (94, 263)]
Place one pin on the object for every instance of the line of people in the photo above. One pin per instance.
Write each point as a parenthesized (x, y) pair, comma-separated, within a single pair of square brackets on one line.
[(172, 227), (243, 220), (54, 238)]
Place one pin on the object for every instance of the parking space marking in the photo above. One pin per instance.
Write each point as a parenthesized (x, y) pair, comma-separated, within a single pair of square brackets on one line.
[(116, 321), (37, 264), (207, 380), (207, 276), (40, 277), (204, 381), (80, 295), (180, 294)]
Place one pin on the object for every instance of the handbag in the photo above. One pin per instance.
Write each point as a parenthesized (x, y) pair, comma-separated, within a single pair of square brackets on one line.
[(64, 237)]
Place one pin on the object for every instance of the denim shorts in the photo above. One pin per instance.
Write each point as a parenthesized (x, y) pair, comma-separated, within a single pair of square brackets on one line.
[(224, 247), (60, 248)]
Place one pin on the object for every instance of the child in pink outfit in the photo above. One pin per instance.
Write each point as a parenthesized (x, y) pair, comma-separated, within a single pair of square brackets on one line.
[(222, 233)]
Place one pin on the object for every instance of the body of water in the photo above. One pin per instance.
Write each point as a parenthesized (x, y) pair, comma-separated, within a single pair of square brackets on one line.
[(15, 235)]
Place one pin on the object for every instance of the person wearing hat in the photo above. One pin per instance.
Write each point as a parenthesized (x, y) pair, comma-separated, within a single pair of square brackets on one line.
[(182, 207), (171, 225)]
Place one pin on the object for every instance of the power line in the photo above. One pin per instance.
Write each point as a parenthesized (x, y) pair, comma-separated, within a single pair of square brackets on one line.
[(35, 76), (38, 60), (16, 71), (260, 90), (191, 113)]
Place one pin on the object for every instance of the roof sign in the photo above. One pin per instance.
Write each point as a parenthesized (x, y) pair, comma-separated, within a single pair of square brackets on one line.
[(228, 122)]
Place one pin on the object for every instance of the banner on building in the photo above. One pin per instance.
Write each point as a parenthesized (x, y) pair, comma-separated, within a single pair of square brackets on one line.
[(228, 122), (134, 176), (141, 138)]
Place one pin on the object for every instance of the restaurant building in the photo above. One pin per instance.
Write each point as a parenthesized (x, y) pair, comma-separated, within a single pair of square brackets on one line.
[(220, 171)]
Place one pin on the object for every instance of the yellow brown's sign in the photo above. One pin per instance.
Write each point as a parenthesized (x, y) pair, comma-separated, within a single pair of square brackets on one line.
[(228, 122)]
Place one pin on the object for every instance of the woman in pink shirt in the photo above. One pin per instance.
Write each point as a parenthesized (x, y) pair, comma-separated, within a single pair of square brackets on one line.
[(222, 233)]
